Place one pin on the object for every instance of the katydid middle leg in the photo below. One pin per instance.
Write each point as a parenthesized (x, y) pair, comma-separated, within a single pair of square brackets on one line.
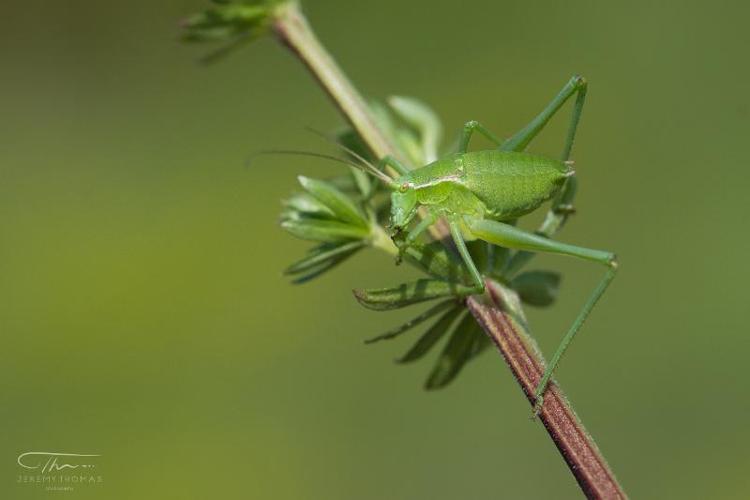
[(469, 128), (390, 161), (513, 237), (474, 126), (458, 239)]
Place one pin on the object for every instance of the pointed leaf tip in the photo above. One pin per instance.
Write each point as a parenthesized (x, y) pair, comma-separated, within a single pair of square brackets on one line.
[(324, 230), (340, 204), (461, 347), (406, 294), (395, 332), (433, 334), (321, 259)]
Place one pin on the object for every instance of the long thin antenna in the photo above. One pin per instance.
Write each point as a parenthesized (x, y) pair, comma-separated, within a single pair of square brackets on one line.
[(336, 143), (371, 170), (301, 153), (374, 170)]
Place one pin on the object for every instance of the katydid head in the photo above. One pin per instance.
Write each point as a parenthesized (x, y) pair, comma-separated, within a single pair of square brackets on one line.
[(403, 206)]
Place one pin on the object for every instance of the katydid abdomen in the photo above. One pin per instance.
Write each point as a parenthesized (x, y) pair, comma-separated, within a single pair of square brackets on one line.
[(503, 185)]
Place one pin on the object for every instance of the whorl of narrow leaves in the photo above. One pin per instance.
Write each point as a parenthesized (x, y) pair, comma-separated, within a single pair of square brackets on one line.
[(465, 340), (230, 24), (227, 20), (325, 214)]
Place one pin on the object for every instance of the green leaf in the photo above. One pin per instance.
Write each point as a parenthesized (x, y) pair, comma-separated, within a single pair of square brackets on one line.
[(412, 126), (429, 313), (409, 143), (490, 259), (537, 288), (435, 260), (351, 140), (384, 299), (459, 349), (478, 250), (431, 336), (404, 138), (340, 204), (306, 205), (344, 183), (231, 23), (322, 267), (363, 182), (321, 254), (423, 120), (500, 256), (324, 230)]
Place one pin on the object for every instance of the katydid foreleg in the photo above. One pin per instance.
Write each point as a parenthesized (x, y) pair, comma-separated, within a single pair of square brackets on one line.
[(458, 239), (404, 242)]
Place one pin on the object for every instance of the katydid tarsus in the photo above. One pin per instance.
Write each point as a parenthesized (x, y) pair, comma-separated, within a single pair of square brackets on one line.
[(481, 193)]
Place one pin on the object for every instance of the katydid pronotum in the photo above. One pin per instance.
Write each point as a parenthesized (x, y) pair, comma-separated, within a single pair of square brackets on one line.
[(480, 194)]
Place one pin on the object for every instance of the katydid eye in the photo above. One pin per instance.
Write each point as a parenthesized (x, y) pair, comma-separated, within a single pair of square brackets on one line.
[(404, 187)]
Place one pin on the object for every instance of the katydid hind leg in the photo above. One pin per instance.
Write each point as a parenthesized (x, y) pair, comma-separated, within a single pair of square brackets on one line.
[(522, 138), (513, 237), (562, 205)]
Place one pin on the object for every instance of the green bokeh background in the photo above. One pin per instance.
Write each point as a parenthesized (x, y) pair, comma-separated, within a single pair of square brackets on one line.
[(144, 316)]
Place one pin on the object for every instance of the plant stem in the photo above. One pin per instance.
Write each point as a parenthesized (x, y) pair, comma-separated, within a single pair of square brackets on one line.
[(525, 361), (586, 462), (293, 30), (382, 241)]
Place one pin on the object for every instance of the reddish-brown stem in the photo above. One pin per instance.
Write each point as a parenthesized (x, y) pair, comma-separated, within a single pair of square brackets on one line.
[(575, 444)]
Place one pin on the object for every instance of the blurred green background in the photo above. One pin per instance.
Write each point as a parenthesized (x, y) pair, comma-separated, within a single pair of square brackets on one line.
[(142, 308)]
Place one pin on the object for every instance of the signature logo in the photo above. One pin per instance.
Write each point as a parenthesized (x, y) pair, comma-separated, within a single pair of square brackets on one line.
[(49, 462)]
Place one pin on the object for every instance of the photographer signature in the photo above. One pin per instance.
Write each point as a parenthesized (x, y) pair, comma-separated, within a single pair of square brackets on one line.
[(52, 461)]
